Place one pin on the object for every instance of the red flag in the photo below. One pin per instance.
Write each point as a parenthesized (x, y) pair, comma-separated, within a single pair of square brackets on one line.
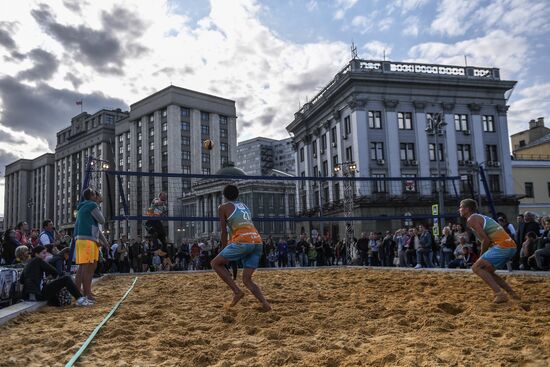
[(79, 103)]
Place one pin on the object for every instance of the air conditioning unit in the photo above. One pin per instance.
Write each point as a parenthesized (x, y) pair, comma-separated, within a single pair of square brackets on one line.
[(466, 132), (381, 162), (489, 164), (496, 164), (322, 152), (345, 136), (461, 163), (470, 163), (334, 145), (414, 163), (314, 155), (405, 163)]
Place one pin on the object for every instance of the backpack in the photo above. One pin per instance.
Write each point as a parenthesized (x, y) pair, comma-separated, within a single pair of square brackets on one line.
[(63, 298)]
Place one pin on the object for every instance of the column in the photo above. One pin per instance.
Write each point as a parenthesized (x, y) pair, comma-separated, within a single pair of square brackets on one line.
[(476, 128), (422, 153), (308, 169), (504, 150), (449, 165), (337, 116), (232, 137), (392, 146), (360, 149), (215, 158)]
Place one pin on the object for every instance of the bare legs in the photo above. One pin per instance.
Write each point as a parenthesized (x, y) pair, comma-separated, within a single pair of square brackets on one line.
[(486, 271), (83, 278), (218, 264)]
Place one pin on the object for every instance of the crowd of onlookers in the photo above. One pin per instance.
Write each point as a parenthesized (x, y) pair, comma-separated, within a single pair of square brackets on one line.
[(415, 247)]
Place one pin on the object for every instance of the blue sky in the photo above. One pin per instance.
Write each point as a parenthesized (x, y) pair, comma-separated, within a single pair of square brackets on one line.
[(268, 56)]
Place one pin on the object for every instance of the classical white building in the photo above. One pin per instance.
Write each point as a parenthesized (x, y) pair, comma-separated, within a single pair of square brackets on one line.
[(377, 114)]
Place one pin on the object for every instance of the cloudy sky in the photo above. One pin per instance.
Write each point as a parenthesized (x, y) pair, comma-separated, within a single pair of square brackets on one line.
[(269, 56)]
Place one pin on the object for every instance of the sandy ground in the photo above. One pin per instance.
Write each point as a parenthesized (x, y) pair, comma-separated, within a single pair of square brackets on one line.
[(329, 317)]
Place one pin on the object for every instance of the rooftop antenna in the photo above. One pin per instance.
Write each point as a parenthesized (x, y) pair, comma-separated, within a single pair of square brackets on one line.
[(384, 54), (353, 51), (465, 60)]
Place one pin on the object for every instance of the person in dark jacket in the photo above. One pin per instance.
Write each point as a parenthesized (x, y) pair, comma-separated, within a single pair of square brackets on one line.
[(35, 287), (9, 244)]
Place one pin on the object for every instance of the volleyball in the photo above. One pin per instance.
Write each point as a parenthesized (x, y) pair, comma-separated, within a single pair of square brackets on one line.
[(208, 144)]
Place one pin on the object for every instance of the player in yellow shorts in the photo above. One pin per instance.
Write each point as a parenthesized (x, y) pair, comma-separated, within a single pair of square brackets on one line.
[(87, 252)]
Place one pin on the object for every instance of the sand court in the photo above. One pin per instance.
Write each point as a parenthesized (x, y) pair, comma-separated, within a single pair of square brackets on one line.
[(321, 317)]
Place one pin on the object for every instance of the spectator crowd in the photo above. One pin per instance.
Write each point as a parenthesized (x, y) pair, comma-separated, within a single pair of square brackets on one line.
[(414, 247)]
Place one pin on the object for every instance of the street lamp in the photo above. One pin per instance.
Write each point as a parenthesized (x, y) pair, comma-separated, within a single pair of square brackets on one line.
[(436, 127), (347, 169)]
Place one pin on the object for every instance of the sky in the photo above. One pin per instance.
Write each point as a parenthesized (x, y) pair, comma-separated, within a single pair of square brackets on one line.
[(269, 56)]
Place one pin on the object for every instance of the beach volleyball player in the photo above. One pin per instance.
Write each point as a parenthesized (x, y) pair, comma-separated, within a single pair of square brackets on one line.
[(497, 248), (245, 244)]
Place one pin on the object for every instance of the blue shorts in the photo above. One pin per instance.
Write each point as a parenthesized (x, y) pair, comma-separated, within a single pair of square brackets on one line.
[(498, 256), (250, 254)]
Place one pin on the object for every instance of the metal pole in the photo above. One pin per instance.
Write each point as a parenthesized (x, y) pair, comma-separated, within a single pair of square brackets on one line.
[(439, 188), (321, 227)]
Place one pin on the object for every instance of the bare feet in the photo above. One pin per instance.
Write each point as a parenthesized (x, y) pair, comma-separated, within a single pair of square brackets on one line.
[(236, 298), (514, 295), (500, 297), (265, 308)]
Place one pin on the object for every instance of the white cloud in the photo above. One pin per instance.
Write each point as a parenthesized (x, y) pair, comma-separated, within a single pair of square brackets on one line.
[(312, 5), (529, 103), (412, 26), (376, 50), (496, 49), (385, 24), (454, 17), (361, 23), (405, 6), (342, 6), (21, 144)]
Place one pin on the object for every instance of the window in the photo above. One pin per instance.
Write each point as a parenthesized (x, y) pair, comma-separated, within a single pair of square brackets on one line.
[(185, 140), (409, 185), (205, 158), (431, 149), (205, 130), (522, 143), (120, 163), (139, 163), (333, 138), (205, 116), (224, 160), (151, 160), (139, 123), (151, 118), (139, 149), (164, 113), (223, 120), (494, 183), (349, 154), (347, 126), (223, 133), (491, 153), (379, 185), (464, 152), (377, 151), (303, 182), (164, 126), (404, 120), (206, 171), (128, 136), (185, 126), (406, 151), (151, 145), (334, 160), (121, 150), (109, 119), (139, 136), (461, 123), (430, 117), (301, 154), (529, 190), (325, 168), (120, 139), (165, 141), (186, 169), (488, 123), (186, 155), (151, 132), (323, 143), (223, 147), (184, 112), (315, 174), (314, 148), (128, 160), (375, 119)]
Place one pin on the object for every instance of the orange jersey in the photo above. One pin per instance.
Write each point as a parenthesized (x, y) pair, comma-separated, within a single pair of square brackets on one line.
[(496, 233)]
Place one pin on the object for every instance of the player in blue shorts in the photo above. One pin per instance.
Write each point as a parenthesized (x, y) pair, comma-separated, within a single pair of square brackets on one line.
[(245, 244), (497, 248)]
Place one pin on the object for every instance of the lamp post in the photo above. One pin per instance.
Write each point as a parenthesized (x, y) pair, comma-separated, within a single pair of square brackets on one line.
[(436, 127), (347, 169)]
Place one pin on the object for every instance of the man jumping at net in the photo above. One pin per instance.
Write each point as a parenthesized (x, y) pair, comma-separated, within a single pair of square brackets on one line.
[(497, 248), (158, 208), (245, 244)]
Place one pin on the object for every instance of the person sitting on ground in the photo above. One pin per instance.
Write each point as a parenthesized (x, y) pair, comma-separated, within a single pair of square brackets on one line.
[(21, 255), (35, 287), (458, 261)]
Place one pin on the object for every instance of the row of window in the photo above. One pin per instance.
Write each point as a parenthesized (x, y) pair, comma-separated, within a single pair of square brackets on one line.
[(185, 113), (529, 188)]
